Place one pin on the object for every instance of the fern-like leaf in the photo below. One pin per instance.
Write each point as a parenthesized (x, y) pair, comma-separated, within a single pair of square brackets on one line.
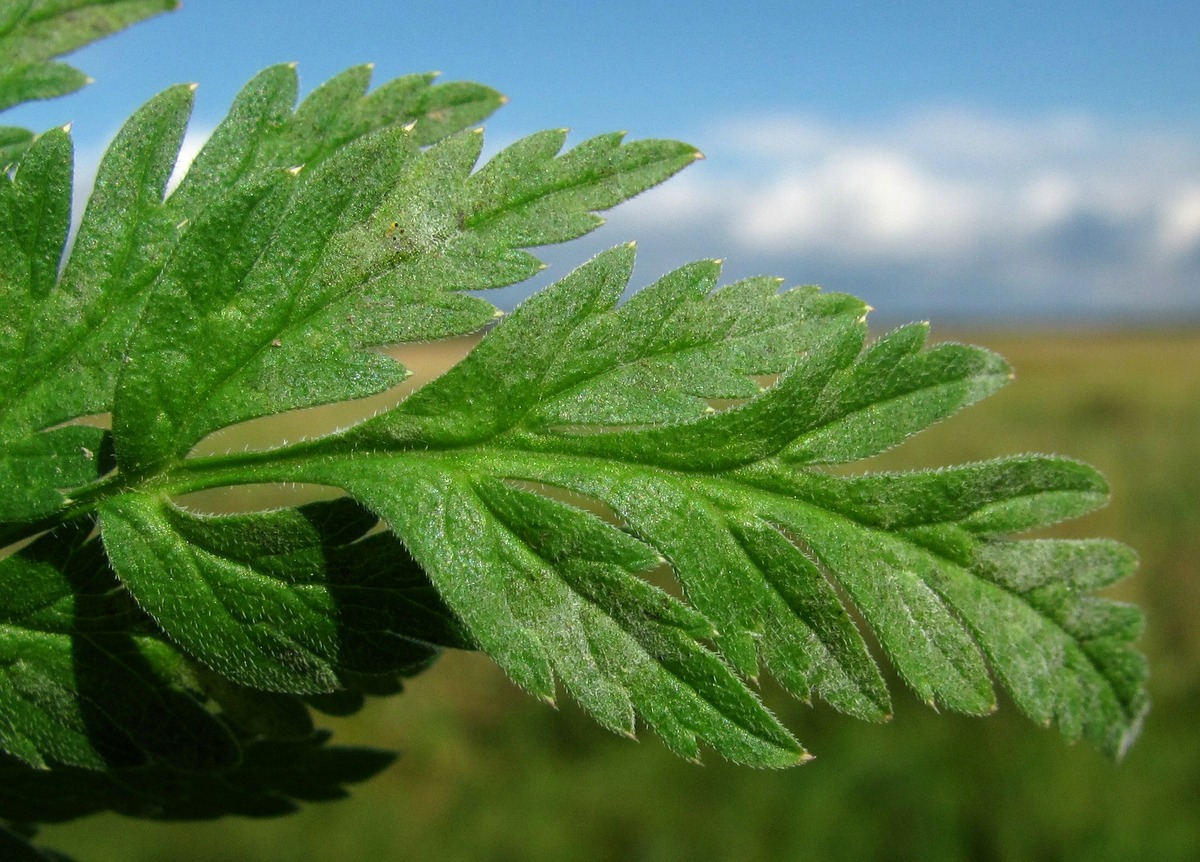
[(775, 553)]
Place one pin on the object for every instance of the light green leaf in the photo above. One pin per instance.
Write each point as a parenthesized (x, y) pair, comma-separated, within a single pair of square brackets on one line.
[(60, 344), (761, 543), (13, 142), (1065, 656), (535, 497), (282, 289), (265, 132), (894, 389), (34, 217), (36, 468), (63, 341), (74, 333), (543, 587), (32, 32)]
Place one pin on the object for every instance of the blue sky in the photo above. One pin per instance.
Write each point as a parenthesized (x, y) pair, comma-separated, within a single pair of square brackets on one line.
[(1021, 160)]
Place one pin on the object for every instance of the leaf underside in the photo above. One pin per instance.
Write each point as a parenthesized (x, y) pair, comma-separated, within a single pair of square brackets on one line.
[(774, 550), (541, 501)]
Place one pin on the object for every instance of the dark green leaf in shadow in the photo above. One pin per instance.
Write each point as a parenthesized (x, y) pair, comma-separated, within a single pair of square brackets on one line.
[(272, 778), (283, 601), (83, 679)]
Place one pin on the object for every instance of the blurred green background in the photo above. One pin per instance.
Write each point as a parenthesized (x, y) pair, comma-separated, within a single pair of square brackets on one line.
[(488, 773)]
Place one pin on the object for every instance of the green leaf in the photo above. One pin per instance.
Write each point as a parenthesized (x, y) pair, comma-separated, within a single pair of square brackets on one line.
[(75, 332), (894, 389), (80, 684), (64, 341), (538, 499), (36, 467), (543, 587), (284, 601), (283, 289), (13, 142), (32, 32), (75, 336), (264, 132), (38, 213), (777, 555), (61, 344), (1065, 657)]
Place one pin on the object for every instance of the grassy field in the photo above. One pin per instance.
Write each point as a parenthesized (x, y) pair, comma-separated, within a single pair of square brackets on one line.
[(489, 774)]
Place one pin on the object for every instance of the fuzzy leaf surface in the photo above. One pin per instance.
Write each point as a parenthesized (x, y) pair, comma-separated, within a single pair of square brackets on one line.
[(61, 345), (265, 130), (285, 601), (64, 340), (280, 292), (537, 497), (774, 551), (81, 683)]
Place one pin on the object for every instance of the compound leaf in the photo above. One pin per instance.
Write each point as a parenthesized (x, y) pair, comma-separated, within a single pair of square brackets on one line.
[(642, 501), (281, 291), (64, 340), (775, 554)]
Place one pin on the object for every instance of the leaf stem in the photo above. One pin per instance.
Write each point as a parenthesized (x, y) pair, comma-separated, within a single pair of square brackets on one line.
[(190, 475)]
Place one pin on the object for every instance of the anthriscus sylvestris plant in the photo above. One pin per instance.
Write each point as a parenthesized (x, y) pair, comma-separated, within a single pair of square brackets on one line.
[(163, 663)]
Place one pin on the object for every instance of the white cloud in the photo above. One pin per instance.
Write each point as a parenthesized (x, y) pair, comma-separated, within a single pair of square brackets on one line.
[(1179, 223), (1061, 211), (193, 141), (1049, 199), (854, 201)]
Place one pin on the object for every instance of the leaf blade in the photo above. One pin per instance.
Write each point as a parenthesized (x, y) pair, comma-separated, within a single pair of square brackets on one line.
[(547, 590), (287, 601), (80, 684), (902, 548), (31, 36), (77, 329), (379, 223)]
